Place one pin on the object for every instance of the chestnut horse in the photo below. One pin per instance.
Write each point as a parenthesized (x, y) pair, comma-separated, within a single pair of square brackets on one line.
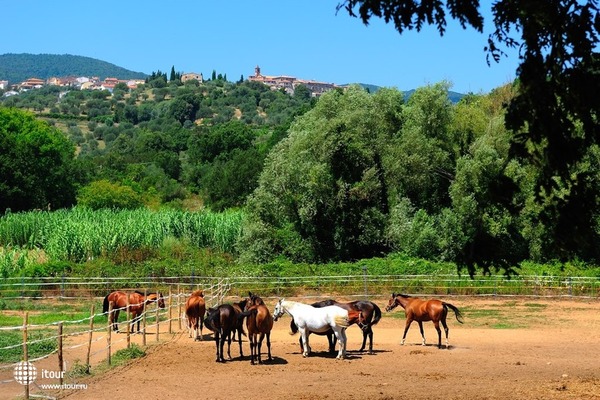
[(137, 304), (195, 309), (370, 315), (424, 310), (259, 323), (222, 320)]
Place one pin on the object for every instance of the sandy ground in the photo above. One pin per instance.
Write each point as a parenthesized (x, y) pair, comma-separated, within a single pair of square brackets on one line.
[(506, 349)]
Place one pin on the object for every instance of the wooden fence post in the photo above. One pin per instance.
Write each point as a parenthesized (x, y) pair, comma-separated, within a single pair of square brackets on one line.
[(157, 321), (127, 323), (60, 352), (89, 348), (170, 310), (25, 353), (108, 333), (144, 320), (179, 305)]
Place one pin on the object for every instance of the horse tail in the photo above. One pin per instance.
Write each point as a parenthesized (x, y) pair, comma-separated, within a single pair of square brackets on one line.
[(377, 314), (105, 305), (457, 312), (342, 321)]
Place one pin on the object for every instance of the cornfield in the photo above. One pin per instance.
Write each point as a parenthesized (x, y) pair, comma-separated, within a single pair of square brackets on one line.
[(80, 234)]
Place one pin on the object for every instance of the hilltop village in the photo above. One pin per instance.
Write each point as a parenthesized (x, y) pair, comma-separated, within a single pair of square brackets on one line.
[(278, 82)]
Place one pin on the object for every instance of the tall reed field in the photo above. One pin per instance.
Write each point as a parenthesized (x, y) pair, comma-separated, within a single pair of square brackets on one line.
[(81, 234)]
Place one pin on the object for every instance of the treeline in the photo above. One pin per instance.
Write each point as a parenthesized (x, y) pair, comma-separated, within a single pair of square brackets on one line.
[(351, 176), (16, 68)]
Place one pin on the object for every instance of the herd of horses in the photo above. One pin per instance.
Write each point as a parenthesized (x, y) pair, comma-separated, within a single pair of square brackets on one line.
[(329, 318)]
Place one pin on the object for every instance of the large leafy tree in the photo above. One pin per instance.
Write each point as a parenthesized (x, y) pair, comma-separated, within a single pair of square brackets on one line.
[(37, 163), (554, 115), (322, 194)]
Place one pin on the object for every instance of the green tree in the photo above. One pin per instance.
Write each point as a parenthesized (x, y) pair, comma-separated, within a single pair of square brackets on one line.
[(104, 194), (555, 112), (322, 195), (37, 164)]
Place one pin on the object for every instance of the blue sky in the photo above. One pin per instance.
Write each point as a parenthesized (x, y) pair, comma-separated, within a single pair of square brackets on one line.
[(304, 39)]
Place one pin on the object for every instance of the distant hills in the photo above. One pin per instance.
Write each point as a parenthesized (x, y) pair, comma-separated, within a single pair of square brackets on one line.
[(16, 68)]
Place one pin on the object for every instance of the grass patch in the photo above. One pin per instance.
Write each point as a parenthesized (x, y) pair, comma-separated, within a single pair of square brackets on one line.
[(507, 325), (536, 305), (41, 343)]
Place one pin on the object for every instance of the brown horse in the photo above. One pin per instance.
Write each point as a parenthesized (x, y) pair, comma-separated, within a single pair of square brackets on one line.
[(424, 310), (137, 304), (259, 323), (369, 315), (195, 308), (222, 320)]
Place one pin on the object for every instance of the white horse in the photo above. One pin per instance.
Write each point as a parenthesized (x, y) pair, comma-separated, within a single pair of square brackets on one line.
[(311, 319)]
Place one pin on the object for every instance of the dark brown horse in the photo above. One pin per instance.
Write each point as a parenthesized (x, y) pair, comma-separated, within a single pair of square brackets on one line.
[(195, 308), (370, 314), (259, 323), (424, 310), (137, 304), (222, 321), (239, 326)]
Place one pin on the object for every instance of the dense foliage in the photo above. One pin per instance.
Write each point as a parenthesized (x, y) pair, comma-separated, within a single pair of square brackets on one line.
[(362, 175), (554, 114), (348, 176), (37, 166)]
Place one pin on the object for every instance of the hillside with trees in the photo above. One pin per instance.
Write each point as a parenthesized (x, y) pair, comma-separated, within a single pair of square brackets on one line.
[(351, 175), (17, 68)]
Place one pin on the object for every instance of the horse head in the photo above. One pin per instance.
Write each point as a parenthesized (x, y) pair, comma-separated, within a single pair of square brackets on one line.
[(278, 312), (156, 297), (392, 303), (253, 300)]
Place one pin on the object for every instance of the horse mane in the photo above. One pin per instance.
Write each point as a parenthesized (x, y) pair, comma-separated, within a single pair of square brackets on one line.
[(198, 292)]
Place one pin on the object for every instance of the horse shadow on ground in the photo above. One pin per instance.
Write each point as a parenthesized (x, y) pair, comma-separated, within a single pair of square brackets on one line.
[(431, 346), (350, 355), (274, 360)]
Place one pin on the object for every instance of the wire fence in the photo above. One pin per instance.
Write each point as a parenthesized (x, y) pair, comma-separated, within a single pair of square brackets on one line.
[(309, 286), (90, 341)]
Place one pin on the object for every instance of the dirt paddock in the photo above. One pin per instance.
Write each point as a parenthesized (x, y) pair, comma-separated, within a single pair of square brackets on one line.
[(506, 349)]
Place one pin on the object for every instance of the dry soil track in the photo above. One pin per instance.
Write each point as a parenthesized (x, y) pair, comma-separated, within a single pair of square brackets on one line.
[(550, 351)]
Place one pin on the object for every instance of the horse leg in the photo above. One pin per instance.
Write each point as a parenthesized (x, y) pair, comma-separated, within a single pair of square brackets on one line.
[(239, 336), (408, 322), (228, 345), (139, 320), (269, 346), (439, 332), (331, 339), (201, 323), (304, 335), (422, 332), (116, 320), (367, 332), (446, 330), (260, 340), (217, 341), (341, 336)]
